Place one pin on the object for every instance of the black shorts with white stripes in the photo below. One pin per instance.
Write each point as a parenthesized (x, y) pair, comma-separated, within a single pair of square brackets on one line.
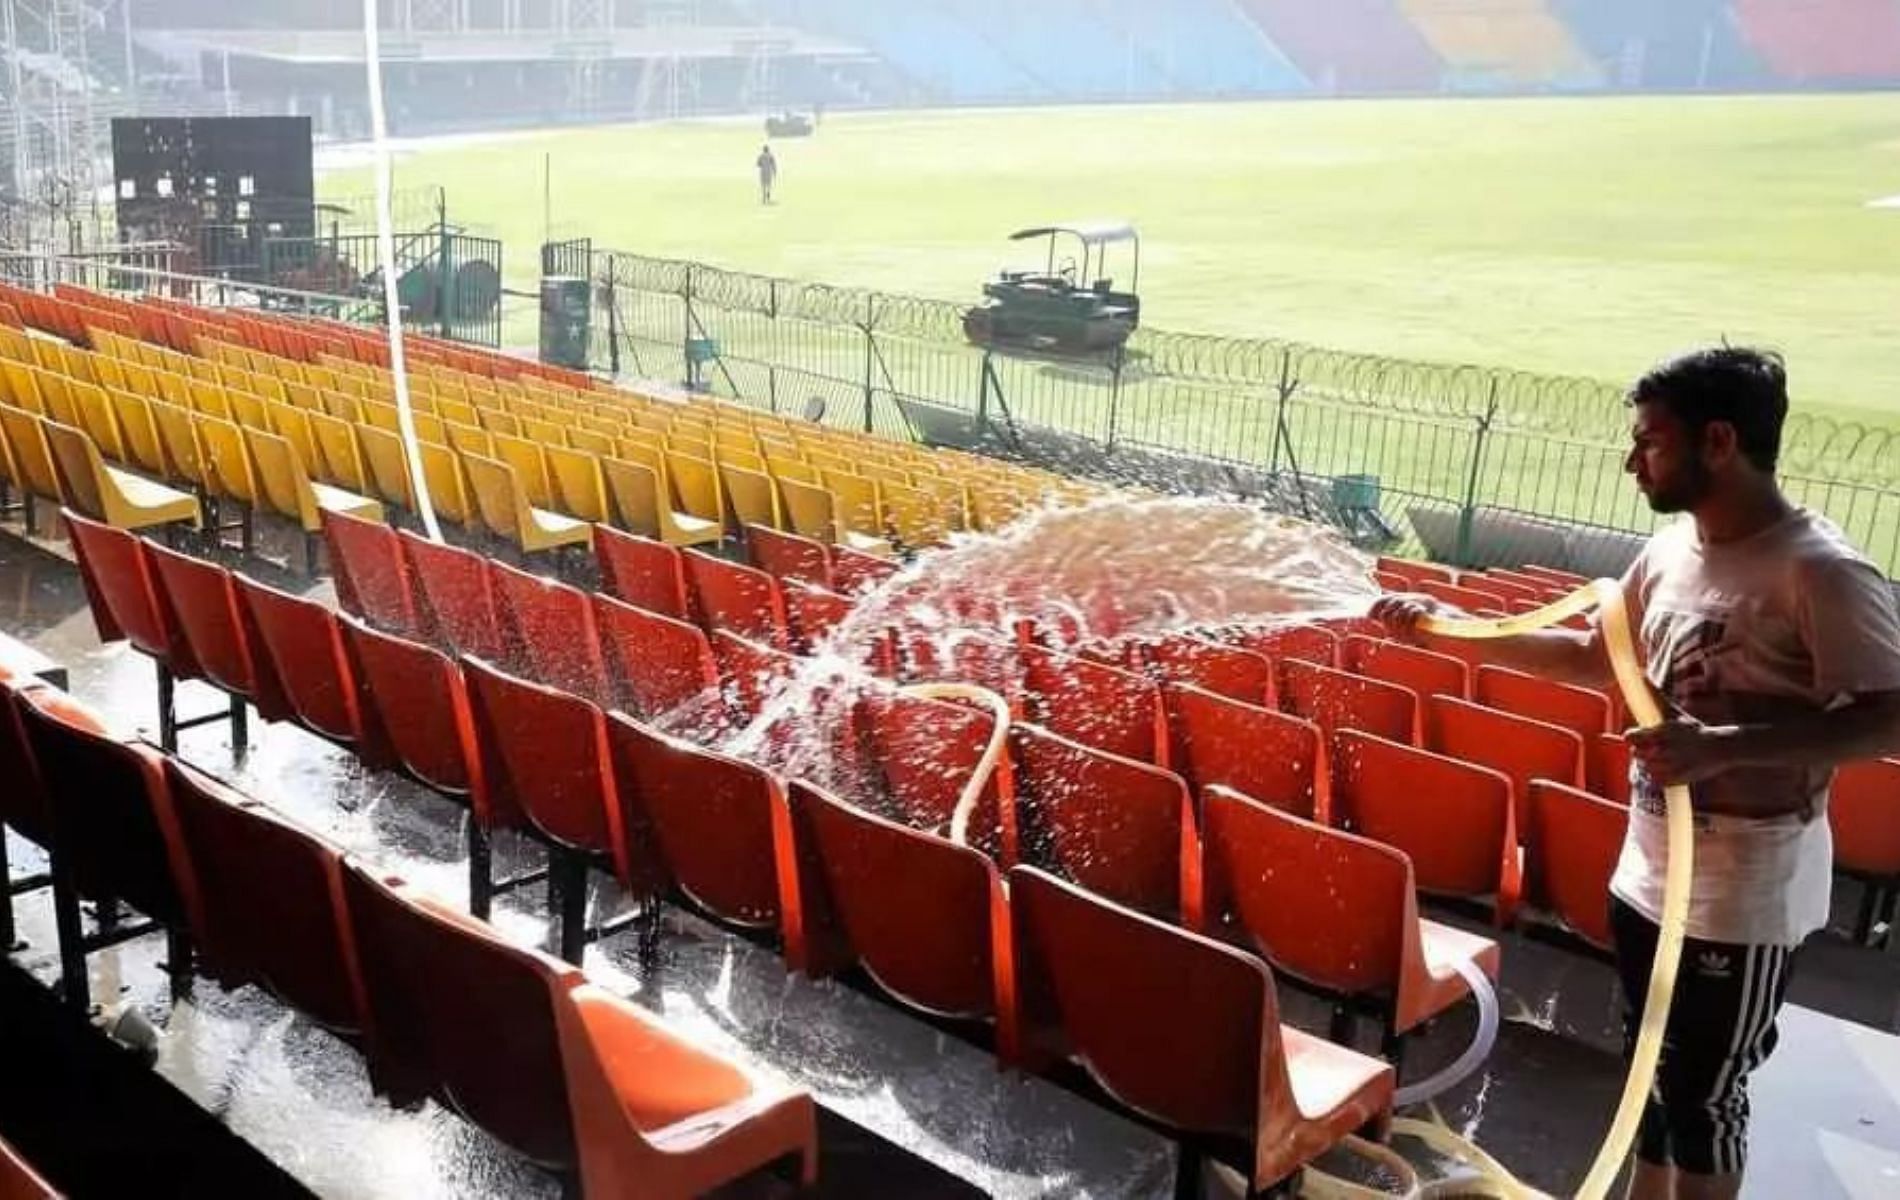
[(1721, 1027)]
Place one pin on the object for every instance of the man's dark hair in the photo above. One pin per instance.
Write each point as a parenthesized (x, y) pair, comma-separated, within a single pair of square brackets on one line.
[(1745, 387)]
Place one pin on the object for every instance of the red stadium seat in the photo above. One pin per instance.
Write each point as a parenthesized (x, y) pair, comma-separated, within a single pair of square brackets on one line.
[(267, 902), (545, 770), (114, 833), (1335, 700), (737, 599), (18, 1179), (200, 602), (1304, 643), (371, 576), (1571, 846), (1467, 600), (924, 917), (1266, 755), (123, 594), (922, 754), (1110, 709), (644, 573), (717, 827), (1609, 768), (1864, 811), (1416, 573), (413, 709), (1224, 670), (1120, 828), (1426, 672), (561, 1072), (1454, 820), (1520, 749), (1584, 712), (1181, 1029), (1331, 908), (750, 672), (788, 557), (298, 660), (853, 571), (457, 599), (656, 664), (549, 627)]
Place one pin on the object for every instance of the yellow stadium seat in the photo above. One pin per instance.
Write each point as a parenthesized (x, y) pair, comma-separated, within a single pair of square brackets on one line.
[(336, 457), (917, 517), (531, 468), (751, 497), (98, 421), (56, 397), (105, 493), (469, 439), (592, 442), (696, 485), (795, 469), (285, 486), (19, 387), (144, 448), (386, 466), (29, 461), (645, 507), (449, 493), (503, 504), (577, 486), (185, 458), (860, 512)]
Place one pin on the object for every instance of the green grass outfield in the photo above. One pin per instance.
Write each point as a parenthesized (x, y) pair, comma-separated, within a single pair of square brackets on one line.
[(1585, 236)]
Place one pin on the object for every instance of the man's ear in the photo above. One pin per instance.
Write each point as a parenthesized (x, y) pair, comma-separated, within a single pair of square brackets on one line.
[(1720, 443)]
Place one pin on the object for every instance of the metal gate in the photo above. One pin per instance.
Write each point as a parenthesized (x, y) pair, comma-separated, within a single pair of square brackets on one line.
[(448, 283)]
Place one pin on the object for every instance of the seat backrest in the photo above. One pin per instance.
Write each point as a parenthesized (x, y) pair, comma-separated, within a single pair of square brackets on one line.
[(298, 660), (925, 918), (387, 465), (549, 628), (267, 901), (123, 594), (1303, 643), (27, 446), (922, 754), (853, 571), (499, 497), (1224, 670), (717, 826), (1518, 747), (1584, 712), (1172, 1024), (367, 568), (23, 802), (282, 477), (636, 492), (655, 665), (228, 461), (1104, 707), (1425, 672), (696, 482), (809, 509), (1265, 755), (1335, 700), (645, 573), (80, 470), (1864, 810), (738, 599), (412, 709), (199, 600), (457, 1013), (1453, 819), (456, 597), (1571, 843), (1609, 767), (788, 557), (576, 485), (1120, 828), (544, 761), (1326, 906), (112, 822), (750, 672)]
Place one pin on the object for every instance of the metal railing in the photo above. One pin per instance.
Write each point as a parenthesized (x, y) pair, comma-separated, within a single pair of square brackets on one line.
[(1468, 464)]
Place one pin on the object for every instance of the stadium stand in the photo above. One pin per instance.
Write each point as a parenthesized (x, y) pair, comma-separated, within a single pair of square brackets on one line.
[(1501, 44), (1349, 46), (1638, 44), (1824, 41)]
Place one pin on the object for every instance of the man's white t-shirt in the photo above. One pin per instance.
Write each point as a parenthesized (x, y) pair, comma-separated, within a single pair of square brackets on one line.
[(1791, 620)]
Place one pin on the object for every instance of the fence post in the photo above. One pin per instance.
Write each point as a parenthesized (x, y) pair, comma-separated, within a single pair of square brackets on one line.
[(1467, 516), (1114, 401), (686, 335), (983, 394), (870, 358), (613, 322), (1286, 387), (446, 268), (771, 386)]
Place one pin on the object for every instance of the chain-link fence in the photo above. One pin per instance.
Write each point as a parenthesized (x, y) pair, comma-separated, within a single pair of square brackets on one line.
[(1466, 464)]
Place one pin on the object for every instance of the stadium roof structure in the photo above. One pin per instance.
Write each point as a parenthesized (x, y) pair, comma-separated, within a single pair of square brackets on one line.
[(333, 47)]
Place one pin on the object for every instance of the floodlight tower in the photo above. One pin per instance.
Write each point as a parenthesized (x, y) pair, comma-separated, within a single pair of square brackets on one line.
[(51, 130)]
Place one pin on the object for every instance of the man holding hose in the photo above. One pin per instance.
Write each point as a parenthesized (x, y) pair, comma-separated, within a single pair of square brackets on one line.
[(1776, 646)]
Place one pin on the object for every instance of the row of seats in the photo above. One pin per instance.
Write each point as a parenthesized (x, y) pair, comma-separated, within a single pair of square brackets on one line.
[(816, 872), (574, 1079)]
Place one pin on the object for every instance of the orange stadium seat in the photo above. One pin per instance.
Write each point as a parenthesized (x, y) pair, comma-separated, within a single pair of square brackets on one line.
[(1266, 755), (738, 599), (1519, 748), (656, 664), (1570, 850), (642, 572)]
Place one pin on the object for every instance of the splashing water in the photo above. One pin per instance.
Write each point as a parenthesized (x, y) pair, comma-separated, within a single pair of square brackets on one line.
[(1093, 578)]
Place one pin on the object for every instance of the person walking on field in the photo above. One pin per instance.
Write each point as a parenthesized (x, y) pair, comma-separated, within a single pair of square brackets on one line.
[(1777, 646), (768, 173)]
